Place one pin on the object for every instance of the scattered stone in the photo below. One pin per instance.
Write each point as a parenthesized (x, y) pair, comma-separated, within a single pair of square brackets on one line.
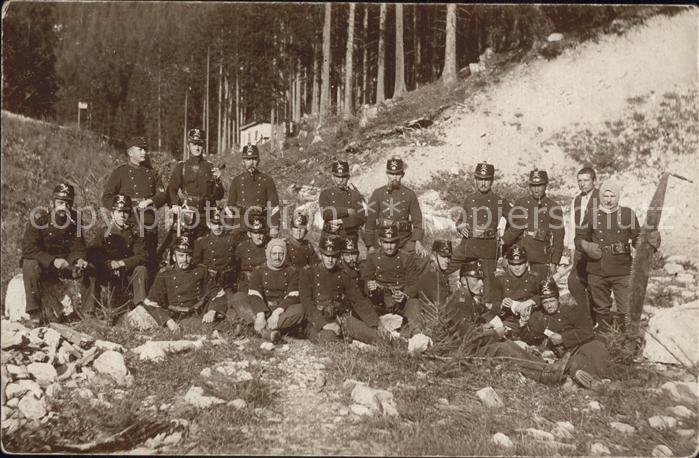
[(268, 346), (599, 449), (661, 450), (195, 396), (112, 363), (12, 403), (391, 321), (140, 319), (155, 351), (673, 268), (685, 278), (686, 432), (12, 340), (32, 408), (349, 384), (662, 422), (43, 373), (284, 348), (502, 440), (563, 430), (109, 346), (238, 404), (554, 37), (17, 372), (536, 434), (375, 399), (443, 401), (362, 346), (594, 406), (319, 382), (21, 387), (673, 328), (622, 427), (206, 372), (570, 386), (489, 397), (418, 343), (342, 412), (684, 392), (681, 412), (360, 410)]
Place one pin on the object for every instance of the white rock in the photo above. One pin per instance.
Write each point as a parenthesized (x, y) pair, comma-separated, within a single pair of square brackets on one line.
[(284, 348), (563, 430), (684, 392), (12, 402), (375, 399), (349, 384), (391, 321), (32, 408), (140, 319), (489, 397), (359, 409), (21, 387), (238, 403), (112, 363), (53, 389), (111, 346), (622, 427), (686, 432), (681, 412), (17, 372), (672, 268), (536, 434), (594, 406), (502, 440), (195, 396), (599, 449), (418, 343), (362, 346), (554, 37), (43, 373), (206, 372), (12, 340), (268, 346), (685, 278), (661, 450), (16, 300), (155, 350), (662, 422), (675, 328)]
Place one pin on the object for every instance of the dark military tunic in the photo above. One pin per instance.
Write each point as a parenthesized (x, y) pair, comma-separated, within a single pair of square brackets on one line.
[(355, 273), (183, 288), (573, 323), (400, 207), (334, 204), (217, 253), (253, 190), (193, 180), (273, 288), (482, 213), (464, 310), (516, 288), (248, 256), (398, 270), (138, 182), (531, 225), (44, 241), (620, 227), (117, 244), (433, 284), (300, 253), (326, 294)]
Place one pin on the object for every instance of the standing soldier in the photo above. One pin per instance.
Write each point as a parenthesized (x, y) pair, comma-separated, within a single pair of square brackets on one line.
[(479, 221), (195, 183), (606, 237), (119, 257), (341, 206), (52, 247), (216, 251), (137, 180), (300, 252), (252, 189), (536, 223), (395, 204), (587, 199), (250, 253)]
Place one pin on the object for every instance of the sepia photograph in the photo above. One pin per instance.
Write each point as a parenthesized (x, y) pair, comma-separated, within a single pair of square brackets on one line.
[(349, 229)]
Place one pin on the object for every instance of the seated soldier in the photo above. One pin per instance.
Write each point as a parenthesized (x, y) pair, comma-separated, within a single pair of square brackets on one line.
[(515, 290), (182, 293), (271, 302), (567, 329), (216, 251), (391, 276), (120, 258), (251, 252), (433, 283), (350, 261), (300, 252), (479, 322), (52, 247), (332, 301)]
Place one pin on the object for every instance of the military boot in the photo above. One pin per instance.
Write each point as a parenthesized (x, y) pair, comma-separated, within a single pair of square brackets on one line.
[(554, 373)]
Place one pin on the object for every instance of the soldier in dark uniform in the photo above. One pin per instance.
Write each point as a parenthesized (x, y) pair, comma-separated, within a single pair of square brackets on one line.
[(351, 263), (433, 283), (515, 290), (119, 256), (137, 180), (587, 198), (250, 253), (332, 301), (395, 204), (252, 189), (52, 247), (300, 252), (606, 237), (196, 183), (216, 251), (182, 293), (478, 223), (468, 306), (271, 302), (390, 276), (536, 223), (342, 206), (568, 329)]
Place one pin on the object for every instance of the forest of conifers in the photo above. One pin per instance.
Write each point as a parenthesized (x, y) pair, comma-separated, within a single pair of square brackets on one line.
[(151, 68)]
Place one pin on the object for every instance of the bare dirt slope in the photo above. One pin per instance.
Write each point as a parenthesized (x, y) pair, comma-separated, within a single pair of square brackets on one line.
[(512, 125)]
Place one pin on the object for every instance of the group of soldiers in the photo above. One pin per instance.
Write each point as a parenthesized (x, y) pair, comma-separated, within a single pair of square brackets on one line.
[(230, 262)]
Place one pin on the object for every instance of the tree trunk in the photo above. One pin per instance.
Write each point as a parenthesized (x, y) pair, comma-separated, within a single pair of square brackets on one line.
[(220, 101), (400, 57), (325, 87), (237, 107), (314, 88), (184, 139), (449, 72), (349, 58), (416, 50), (365, 39), (206, 104), (160, 127), (380, 94)]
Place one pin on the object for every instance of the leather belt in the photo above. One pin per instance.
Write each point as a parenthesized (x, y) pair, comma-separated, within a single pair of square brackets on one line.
[(484, 234), (403, 226)]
